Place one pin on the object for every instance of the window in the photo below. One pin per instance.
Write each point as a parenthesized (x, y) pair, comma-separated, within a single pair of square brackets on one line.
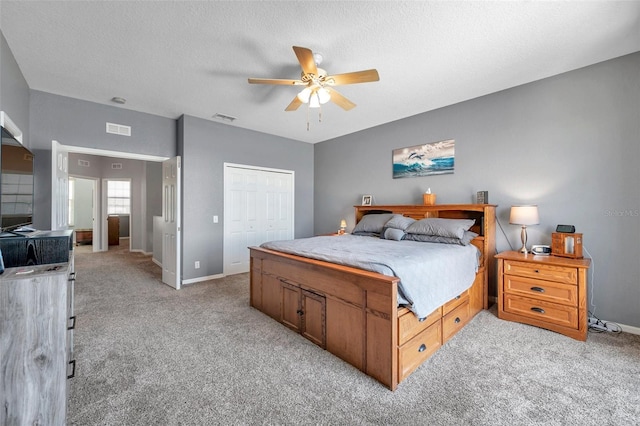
[(118, 197)]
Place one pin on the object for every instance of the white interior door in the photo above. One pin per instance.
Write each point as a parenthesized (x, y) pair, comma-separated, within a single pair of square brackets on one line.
[(258, 207), (59, 186), (171, 232)]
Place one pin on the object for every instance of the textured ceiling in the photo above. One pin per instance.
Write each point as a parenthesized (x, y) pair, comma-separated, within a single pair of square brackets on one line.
[(174, 58)]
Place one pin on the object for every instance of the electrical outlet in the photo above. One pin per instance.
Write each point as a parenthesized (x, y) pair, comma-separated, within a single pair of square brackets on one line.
[(197, 264), (215, 219)]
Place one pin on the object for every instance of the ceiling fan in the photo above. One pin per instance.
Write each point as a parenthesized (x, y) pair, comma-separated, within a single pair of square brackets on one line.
[(318, 86)]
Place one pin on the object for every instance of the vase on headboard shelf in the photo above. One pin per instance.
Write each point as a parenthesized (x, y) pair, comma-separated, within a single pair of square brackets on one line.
[(428, 199)]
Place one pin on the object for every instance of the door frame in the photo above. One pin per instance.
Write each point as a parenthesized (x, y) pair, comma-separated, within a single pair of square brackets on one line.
[(225, 226), (57, 148)]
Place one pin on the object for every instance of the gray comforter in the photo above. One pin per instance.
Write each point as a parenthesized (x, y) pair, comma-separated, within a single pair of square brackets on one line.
[(430, 273)]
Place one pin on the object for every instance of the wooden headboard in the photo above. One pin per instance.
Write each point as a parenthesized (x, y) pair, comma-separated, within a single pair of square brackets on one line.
[(485, 227)]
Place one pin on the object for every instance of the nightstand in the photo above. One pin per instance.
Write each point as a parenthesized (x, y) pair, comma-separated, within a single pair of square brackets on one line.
[(545, 291)]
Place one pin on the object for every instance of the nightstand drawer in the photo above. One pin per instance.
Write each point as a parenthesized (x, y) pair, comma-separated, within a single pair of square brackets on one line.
[(455, 320), (541, 272), (421, 347), (540, 310), (409, 325), (554, 292)]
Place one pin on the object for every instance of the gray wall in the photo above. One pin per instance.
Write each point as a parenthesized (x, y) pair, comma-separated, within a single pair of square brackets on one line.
[(569, 143), (14, 91), (80, 123), (205, 146)]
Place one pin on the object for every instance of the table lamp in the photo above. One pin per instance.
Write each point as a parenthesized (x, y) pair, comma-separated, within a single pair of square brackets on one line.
[(524, 215)]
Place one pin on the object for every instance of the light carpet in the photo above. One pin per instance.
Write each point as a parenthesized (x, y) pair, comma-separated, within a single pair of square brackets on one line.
[(148, 354)]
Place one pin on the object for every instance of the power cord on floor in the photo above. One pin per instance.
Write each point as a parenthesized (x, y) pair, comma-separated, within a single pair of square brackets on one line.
[(596, 325)]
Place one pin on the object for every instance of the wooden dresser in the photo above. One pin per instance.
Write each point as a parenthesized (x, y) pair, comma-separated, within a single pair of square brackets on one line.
[(36, 343), (545, 291)]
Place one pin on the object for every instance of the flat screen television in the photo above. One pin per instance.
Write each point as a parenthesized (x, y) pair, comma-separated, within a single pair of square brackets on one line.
[(16, 184)]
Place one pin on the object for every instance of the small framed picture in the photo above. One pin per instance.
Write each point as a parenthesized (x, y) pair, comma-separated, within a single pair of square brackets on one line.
[(366, 200)]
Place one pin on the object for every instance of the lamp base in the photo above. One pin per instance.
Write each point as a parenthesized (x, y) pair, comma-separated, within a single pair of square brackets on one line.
[(523, 237)]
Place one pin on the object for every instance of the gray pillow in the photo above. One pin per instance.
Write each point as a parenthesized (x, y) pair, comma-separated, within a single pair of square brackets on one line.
[(372, 223), (464, 241), (399, 222), (393, 234), (451, 228)]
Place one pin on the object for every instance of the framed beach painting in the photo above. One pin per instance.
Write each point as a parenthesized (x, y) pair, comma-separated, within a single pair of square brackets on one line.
[(436, 158)]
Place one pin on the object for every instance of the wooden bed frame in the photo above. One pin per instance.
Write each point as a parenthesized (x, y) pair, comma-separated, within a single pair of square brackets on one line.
[(354, 314)]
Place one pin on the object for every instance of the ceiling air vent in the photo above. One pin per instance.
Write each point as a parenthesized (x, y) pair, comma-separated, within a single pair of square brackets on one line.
[(116, 166), (118, 129), (83, 163)]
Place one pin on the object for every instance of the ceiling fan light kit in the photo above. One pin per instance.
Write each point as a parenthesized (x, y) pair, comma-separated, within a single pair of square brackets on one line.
[(318, 85)]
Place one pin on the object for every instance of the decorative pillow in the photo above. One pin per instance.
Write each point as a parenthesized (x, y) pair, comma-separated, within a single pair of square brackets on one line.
[(464, 241), (372, 223), (452, 228), (392, 234), (399, 222)]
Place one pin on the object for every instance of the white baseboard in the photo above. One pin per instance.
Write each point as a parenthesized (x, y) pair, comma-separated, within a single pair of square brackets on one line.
[(627, 328), (200, 279), (157, 262)]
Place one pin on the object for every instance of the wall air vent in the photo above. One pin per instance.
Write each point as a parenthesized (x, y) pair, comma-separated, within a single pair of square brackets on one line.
[(117, 166), (224, 117), (83, 163), (118, 129)]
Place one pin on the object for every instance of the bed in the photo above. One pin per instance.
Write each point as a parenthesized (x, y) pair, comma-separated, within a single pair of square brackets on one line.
[(363, 316)]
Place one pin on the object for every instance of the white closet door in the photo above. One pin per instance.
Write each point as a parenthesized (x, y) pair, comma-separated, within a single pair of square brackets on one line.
[(278, 209), (258, 208)]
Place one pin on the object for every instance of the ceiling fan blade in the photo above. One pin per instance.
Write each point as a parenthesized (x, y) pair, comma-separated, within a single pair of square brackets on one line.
[(294, 105), (340, 100), (276, 81), (353, 77), (305, 57)]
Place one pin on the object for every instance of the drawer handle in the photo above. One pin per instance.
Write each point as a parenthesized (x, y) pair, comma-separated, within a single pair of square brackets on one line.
[(536, 271), (422, 348), (458, 296), (300, 312), (73, 323), (422, 319), (538, 289), (457, 320), (538, 310), (73, 369)]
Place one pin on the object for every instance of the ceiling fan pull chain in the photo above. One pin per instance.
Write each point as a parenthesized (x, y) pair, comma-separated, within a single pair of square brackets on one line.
[(320, 114), (307, 117)]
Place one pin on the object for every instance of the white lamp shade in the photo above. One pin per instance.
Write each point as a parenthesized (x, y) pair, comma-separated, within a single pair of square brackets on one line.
[(314, 100), (524, 215), (304, 95), (343, 223), (323, 95)]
